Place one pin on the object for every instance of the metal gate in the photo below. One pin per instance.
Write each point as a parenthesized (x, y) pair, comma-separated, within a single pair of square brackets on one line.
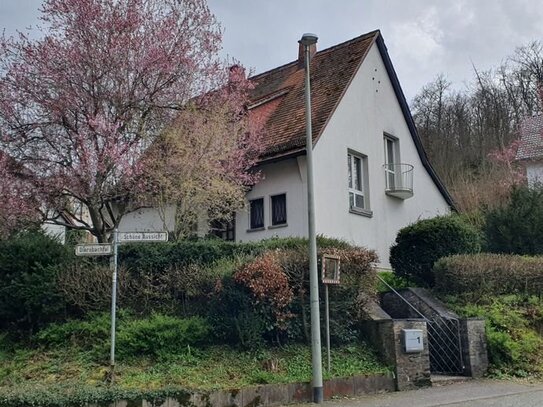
[(445, 345), (444, 341)]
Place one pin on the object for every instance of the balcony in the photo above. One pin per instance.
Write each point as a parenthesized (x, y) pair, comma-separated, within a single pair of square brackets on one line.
[(399, 180)]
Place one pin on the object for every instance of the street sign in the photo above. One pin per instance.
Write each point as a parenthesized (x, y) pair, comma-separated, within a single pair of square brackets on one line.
[(143, 237), (94, 249)]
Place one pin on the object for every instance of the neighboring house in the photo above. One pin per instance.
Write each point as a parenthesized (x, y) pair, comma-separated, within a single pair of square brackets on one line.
[(372, 176), (530, 150)]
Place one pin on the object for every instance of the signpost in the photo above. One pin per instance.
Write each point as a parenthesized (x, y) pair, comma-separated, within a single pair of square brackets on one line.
[(97, 249), (125, 237), (107, 249), (330, 275)]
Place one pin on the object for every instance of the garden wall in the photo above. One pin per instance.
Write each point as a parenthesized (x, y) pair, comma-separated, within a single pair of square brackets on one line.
[(271, 394)]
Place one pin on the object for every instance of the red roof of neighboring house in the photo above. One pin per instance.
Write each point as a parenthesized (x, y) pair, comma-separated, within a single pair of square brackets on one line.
[(278, 96), (531, 138)]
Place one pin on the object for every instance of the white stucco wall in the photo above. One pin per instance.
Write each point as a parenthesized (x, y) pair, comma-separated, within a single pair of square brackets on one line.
[(57, 232), (148, 220), (368, 109), (534, 173), (288, 177)]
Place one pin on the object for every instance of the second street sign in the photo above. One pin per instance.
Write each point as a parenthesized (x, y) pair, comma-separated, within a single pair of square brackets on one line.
[(143, 237), (97, 249)]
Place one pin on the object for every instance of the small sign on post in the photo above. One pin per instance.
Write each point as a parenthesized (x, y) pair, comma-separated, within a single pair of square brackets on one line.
[(127, 237), (330, 275), (330, 269), (94, 249)]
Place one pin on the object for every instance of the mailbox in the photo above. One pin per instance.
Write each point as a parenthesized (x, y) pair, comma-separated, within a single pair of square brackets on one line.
[(412, 340)]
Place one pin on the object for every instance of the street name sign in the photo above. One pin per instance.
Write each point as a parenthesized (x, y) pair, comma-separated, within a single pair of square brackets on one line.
[(143, 237), (94, 249)]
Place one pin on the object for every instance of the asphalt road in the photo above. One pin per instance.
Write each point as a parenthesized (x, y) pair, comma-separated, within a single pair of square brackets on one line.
[(475, 393)]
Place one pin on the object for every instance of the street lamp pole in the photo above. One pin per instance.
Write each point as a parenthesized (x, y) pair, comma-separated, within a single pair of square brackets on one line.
[(316, 357)]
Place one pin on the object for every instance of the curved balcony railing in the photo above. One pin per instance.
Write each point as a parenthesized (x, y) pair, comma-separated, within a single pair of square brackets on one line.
[(399, 180)]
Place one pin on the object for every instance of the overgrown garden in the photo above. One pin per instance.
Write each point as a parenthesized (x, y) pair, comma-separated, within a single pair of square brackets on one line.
[(199, 314), (487, 264)]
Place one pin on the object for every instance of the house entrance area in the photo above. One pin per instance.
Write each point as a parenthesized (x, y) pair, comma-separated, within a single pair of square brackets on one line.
[(444, 328)]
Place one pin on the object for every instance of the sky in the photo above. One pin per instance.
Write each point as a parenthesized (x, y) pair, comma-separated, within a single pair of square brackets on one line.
[(425, 38)]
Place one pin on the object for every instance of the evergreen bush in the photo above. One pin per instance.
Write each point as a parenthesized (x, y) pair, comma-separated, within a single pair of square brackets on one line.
[(419, 245), (517, 227), (29, 297)]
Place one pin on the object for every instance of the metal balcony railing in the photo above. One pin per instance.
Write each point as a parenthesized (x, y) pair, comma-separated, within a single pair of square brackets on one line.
[(399, 180)]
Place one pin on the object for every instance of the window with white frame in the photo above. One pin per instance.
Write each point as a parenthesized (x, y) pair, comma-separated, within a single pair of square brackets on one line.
[(358, 181), (391, 160)]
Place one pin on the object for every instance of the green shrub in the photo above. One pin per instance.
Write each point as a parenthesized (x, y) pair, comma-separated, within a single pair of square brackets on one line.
[(234, 319), (29, 298), (159, 256), (486, 274), (160, 335), (171, 278), (157, 335), (386, 279), (420, 245), (517, 227), (87, 333), (267, 299)]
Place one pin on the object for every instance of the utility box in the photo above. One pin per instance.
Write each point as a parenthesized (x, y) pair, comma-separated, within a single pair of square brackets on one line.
[(412, 340)]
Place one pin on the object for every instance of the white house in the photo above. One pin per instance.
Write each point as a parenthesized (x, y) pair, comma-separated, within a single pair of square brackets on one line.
[(372, 176), (530, 150)]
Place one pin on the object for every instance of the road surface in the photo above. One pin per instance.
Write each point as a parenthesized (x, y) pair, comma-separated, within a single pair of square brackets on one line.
[(473, 393)]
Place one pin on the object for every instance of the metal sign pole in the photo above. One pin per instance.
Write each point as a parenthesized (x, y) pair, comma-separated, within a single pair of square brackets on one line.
[(113, 305), (327, 323)]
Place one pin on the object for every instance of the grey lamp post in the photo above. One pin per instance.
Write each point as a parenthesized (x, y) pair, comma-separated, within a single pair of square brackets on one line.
[(316, 358)]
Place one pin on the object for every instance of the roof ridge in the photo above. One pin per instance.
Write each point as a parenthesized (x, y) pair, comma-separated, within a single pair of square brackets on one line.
[(323, 51), (349, 42)]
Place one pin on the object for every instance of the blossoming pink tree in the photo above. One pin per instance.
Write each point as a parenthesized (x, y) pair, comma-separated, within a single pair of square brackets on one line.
[(81, 105)]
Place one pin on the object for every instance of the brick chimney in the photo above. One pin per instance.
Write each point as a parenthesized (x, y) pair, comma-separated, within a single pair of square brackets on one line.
[(301, 54)]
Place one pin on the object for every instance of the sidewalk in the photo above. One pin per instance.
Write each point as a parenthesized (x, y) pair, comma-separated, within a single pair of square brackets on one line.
[(473, 393)]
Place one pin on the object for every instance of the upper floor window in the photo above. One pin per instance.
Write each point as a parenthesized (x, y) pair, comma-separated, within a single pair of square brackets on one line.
[(256, 209), (279, 209), (391, 160), (358, 181)]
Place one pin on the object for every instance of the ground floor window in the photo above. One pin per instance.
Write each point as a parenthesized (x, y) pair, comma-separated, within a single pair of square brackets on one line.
[(279, 209), (256, 209)]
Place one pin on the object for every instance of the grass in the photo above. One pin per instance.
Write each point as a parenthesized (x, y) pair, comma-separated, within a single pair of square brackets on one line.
[(213, 368)]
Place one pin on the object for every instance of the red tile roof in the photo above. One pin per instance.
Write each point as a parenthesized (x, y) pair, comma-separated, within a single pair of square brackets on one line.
[(278, 99), (531, 138), (278, 96)]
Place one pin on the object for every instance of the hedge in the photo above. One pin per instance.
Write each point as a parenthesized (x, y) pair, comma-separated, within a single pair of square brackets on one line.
[(70, 395), (489, 274)]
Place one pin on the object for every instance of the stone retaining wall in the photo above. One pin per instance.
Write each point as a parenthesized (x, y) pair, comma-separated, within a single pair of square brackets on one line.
[(274, 394)]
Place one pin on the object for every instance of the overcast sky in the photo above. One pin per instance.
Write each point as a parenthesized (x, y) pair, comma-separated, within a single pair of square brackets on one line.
[(424, 37)]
